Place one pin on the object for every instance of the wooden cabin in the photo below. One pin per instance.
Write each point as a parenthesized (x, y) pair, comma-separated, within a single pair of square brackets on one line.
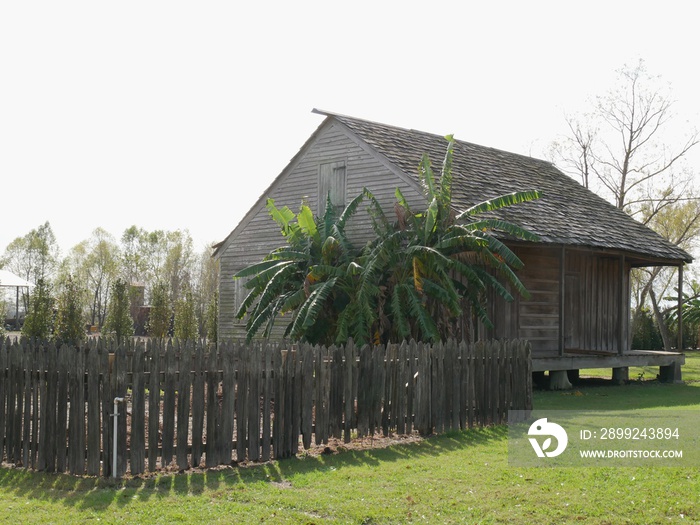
[(578, 274)]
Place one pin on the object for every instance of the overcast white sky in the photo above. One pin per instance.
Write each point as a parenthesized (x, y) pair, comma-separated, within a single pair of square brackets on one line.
[(178, 115)]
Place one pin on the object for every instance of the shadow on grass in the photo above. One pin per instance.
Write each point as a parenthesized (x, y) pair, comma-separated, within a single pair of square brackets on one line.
[(601, 394), (100, 494)]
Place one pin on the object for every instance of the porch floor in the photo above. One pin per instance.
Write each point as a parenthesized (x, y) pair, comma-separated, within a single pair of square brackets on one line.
[(579, 359)]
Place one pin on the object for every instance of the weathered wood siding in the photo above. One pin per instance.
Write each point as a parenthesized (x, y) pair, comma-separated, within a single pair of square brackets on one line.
[(592, 303), (536, 317), (257, 235)]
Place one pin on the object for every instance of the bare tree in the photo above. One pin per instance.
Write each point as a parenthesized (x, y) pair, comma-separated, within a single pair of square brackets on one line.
[(629, 150)]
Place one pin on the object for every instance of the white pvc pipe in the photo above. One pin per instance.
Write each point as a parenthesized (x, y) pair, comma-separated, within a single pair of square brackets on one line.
[(115, 414)]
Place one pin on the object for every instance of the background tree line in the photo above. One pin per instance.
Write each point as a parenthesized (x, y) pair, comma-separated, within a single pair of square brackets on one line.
[(94, 284)]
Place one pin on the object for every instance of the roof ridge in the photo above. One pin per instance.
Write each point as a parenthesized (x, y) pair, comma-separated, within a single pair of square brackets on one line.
[(341, 116)]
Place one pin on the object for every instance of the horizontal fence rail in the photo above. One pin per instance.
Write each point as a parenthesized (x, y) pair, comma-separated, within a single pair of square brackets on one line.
[(188, 405)]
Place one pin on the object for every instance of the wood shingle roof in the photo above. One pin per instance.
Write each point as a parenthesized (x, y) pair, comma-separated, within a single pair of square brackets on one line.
[(566, 214)]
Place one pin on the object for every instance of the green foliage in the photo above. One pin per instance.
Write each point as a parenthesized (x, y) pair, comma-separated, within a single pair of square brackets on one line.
[(161, 311), (418, 276), (430, 268), (311, 277), (186, 324), (118, 320), (38, 323), (212, 319), (69, 325), (645, 332)]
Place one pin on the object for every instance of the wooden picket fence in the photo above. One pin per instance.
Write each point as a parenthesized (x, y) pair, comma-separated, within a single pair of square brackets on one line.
[(187, 405)]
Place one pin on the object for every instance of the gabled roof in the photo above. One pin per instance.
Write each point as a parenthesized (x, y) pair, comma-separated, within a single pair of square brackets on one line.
[(566, 214)]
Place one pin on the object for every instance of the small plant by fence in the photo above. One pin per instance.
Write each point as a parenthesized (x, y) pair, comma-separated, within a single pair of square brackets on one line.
[(188, 405)]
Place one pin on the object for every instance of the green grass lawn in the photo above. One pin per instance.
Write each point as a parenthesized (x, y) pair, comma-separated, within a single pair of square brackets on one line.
[(460, 477)]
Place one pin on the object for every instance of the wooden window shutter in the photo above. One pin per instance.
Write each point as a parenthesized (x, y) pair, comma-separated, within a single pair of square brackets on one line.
[(331, 180)]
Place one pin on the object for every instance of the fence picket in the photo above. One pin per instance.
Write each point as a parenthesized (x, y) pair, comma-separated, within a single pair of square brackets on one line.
[(169, 396), (229, 353), (76, 422), (267, 394), (153, 362), (198, 406), (184, 387), (137, 456), (213, 416)]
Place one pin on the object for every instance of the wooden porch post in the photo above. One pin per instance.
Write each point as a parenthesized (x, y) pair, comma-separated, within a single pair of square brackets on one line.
[(562, 298), (622, 310), (680, 308)]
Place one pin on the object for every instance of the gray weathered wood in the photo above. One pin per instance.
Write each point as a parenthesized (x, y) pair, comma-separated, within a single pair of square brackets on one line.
[(153, 361), (267, 405), (229, 355), (169, 397), (254, 402), (137, 457), (76, 422), (120, 386), (106, 406), (307, 389), (198, 401), (242, 385), (213, 413), (94, 424), (184, 388), (62, 408)]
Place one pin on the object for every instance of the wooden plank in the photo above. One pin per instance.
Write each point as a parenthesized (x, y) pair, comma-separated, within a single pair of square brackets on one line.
[(106, 406), (307, 402), (169, 396), (336, 392), (76, 423), (253, 434), (94, 424), (137, 456), (468, 372), (28, 364), (423, 391), (120, 365), (277, 365), (362, 391), (37, 373), (494, 385), (318, 396), (198, 401), (478, 376), (288, 404), (389, 392), (184, 389), (229, 353), (295, 414), (12, 387), (266, 403), (451, 396), (153, 361), (62, 408), (456, 399), (213, 414), (348, 397), (242, 386), (411, 389), (380, 378), (401, 388)]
